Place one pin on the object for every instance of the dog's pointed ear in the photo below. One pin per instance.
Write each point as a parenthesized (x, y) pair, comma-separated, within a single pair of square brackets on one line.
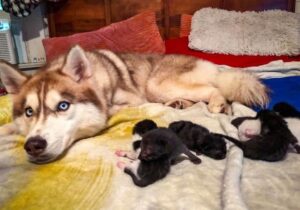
[(77, 64), (11, 78)]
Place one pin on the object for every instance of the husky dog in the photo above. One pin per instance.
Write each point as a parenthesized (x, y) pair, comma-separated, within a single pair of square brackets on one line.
[(73, 96)]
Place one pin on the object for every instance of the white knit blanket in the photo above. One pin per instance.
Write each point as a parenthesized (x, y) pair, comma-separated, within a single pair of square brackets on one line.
[(272, 32), (233, 183), (87, 177)]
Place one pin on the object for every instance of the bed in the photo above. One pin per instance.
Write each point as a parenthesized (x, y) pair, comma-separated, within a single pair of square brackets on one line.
[(87, 176)]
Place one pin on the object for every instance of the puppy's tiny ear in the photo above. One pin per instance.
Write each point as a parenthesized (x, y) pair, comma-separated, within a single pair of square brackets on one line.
[(77, 65), (11, 78)]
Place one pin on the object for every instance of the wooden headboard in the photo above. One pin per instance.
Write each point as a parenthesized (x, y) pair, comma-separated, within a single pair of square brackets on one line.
[(73, 16)]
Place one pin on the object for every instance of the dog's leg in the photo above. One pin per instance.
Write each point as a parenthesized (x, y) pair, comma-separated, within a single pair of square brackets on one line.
[(179, 103), (218, 104), (123, 99), (8, 129), (178, 89)]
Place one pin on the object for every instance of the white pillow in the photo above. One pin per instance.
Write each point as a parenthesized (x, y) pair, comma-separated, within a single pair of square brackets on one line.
[(272, 32)]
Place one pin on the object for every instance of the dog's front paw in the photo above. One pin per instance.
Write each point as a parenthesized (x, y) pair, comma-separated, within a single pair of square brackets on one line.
[(218, 107)]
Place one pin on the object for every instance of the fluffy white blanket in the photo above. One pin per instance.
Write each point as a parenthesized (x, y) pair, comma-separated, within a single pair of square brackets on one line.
[(87, 177), (272, 32), (274, 69), (233, 183)]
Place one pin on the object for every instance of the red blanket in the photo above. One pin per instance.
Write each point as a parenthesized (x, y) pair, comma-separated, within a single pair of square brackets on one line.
[(180, 46)]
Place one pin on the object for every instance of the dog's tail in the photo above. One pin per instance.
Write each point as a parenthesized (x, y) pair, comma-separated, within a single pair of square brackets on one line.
[(233, 140), (242, 87)]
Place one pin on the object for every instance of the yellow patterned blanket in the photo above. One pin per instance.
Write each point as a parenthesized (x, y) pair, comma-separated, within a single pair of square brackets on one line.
[(87, 177)]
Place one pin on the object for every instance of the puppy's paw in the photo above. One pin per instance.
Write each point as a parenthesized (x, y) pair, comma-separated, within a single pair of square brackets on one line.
[(120, 153), (198, 153), (196, 160), (297, 148), (121, 165)]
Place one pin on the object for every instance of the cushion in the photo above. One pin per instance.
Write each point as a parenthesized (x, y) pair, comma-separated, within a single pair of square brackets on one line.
[(136, 34), (272, 32)]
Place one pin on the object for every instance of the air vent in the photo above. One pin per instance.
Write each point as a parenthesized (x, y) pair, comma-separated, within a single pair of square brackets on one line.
[(7, 51)]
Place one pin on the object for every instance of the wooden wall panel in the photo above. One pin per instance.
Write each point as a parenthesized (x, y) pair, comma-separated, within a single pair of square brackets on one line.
[(257, 5), (123, 9), (190, 6), (73, 16), (178, 7)]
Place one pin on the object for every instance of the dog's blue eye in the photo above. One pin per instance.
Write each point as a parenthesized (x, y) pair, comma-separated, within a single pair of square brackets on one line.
[(63, 106), (28, 112)]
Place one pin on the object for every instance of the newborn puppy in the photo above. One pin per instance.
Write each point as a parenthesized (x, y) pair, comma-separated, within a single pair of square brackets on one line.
[(197, 138), (159, 148), (139, 129), (286, 110), (163, 142), (292, 117), (143, 127), (272, 142)]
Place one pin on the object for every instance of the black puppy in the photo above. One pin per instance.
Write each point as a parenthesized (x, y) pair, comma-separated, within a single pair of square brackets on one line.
[(273, 141), (159, 148), (199, 139), (286, 110), (292, 117)]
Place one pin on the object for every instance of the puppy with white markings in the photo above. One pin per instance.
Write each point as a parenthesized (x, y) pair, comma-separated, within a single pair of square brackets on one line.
[(272, 142), (159, 148), (248, 127)]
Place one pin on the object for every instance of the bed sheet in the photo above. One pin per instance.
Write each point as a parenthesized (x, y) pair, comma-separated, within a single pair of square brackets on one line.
[(87, 176)]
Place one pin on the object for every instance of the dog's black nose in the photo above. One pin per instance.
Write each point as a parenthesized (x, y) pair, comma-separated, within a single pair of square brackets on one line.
[(35, 146)]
